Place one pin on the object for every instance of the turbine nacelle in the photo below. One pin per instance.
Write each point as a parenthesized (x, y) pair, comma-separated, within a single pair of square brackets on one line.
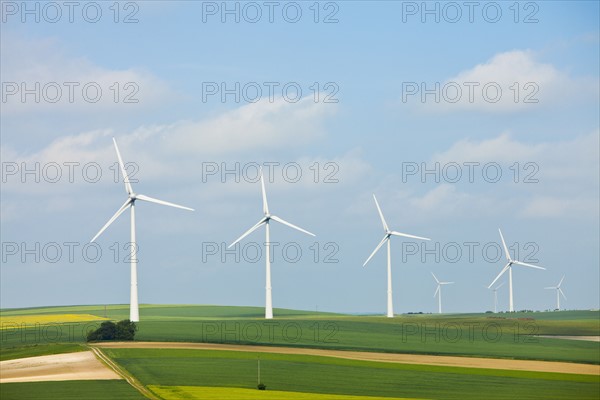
[(388, 233)]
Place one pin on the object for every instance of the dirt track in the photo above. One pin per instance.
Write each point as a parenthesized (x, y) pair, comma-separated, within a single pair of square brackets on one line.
[(57, 367), (584, 338), (469, 362)]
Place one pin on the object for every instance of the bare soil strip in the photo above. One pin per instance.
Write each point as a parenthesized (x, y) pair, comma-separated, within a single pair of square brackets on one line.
[(586, 338), (82, 365), (465, 362)]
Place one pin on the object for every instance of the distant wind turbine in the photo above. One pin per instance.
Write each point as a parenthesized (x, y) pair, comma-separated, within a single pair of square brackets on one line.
[(438, 291), (265, 221), (495, 290), (508, 267), (134, 314), (558, 292), (386, 238)]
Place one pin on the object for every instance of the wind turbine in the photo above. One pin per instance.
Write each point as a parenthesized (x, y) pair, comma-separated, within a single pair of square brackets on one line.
[(265, 221), (438, 291), (134, 314), (386, 238), (508, 267), (495, 290), (558, 292)]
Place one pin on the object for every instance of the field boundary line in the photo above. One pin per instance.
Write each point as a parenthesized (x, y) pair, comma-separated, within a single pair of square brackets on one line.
[(124, 374)]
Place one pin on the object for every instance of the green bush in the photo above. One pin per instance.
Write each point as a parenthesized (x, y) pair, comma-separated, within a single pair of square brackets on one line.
[(262, 386), (108, 330)]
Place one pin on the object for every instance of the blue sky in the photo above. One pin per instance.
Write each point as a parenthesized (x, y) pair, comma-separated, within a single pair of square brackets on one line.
[(369, 139)]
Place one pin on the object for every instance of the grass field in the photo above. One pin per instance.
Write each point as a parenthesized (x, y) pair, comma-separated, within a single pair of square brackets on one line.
[(33, 350), (67, 390), (326, 375), (485, 335)]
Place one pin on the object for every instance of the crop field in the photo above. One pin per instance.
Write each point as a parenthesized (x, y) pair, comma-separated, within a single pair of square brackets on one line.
[(212, 374), (9, 321), (70, 390), (219, 393), (327, 375), (482, 335)]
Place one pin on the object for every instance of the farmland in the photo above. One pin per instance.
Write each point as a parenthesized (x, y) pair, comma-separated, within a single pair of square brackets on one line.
[(344, 377), (69, 390), (482, 335), (217, 374)]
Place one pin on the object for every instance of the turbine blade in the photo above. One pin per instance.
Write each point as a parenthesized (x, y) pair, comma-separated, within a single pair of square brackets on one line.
[(436, 291), (386, 237), (446, 283), (561, 281), (407, 235), (506, 267), (385, 225), (164, 203), (551, 287), (500, 285), (527, 265), (561, 292), (434, 277), (264, 193), (128, 187), (276, 218), (113, 218), (504, 244), (249, 231)]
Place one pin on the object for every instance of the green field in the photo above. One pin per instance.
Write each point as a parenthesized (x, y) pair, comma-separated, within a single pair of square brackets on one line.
[(66, 390), (327, 375), (202, 374), (33, 350), (485, 335)]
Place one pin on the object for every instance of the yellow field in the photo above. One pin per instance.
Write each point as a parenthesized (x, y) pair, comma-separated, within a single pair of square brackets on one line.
[(222, 393), (29, 320)]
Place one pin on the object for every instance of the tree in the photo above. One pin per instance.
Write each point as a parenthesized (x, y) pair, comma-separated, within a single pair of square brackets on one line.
[(108, 330), (126, 330)]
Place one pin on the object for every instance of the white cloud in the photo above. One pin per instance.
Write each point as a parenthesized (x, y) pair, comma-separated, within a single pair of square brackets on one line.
[(570, 160), (64, 83), (567, 187), (508, 82), (552, 207), (262, 125), (177, 151)]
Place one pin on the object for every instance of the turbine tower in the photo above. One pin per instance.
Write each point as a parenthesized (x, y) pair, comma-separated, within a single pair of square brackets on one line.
[(508, 267), (558, 292), (265, 221), (386, 238), (495, 290), (134, 314), (438, 291)]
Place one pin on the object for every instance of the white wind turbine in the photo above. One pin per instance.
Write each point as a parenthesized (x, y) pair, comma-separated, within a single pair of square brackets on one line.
[(134, 314), (386, 238), (495, 290), (265, 221), (508, 267), (558, 292), (438, 291)]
